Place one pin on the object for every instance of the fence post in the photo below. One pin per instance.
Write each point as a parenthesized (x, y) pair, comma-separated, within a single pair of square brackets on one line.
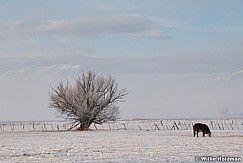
[(212, 125), (231, 125), (109, 125), (237, 126), (95, 126), (222, 125), (156, 126), (45, 126), (125, 126), (12, 127), (175, 126), (161, 122), (218, 125), (168, 128)]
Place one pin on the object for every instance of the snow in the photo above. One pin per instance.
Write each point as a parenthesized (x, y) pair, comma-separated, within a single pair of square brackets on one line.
[(57, 68), (235, 75), (117, 146)]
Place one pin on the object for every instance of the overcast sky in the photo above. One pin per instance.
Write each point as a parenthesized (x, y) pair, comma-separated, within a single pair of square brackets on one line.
[(178, 59)]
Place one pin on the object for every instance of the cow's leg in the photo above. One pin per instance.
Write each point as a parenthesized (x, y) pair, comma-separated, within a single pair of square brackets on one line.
[(194, 133), (197, 133), (203, 134)]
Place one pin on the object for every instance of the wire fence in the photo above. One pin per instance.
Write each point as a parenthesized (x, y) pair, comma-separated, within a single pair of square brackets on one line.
[(183, 124)]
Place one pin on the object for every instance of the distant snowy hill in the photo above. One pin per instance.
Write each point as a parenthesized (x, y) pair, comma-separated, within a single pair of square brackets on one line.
[(163, 64), (232, 76), (160, 87), (44, 70)]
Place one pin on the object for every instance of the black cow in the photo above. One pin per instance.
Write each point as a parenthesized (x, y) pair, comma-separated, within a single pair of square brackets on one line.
[(201, 127)]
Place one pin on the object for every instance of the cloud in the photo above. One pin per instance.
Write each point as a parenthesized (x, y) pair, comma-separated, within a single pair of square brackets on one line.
[(171, 24), (152, 33), (82, 27)]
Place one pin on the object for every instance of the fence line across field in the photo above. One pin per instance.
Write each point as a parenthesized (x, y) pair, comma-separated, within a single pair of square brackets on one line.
[(232, 124)]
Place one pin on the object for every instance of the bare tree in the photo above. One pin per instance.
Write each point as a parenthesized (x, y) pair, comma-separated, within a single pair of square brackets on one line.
[(92, 99)]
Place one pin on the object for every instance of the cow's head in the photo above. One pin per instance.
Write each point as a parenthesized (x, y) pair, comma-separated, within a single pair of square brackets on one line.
[(209, 134)]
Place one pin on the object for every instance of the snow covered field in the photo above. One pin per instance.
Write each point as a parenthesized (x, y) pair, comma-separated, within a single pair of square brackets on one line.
[(117, 146)]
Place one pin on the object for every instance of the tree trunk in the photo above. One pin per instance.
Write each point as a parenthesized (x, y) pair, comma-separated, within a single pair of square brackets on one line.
[(84, 126)]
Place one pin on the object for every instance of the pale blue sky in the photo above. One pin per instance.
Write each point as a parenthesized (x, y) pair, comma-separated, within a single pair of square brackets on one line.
[(120, 28), (180, 46)]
